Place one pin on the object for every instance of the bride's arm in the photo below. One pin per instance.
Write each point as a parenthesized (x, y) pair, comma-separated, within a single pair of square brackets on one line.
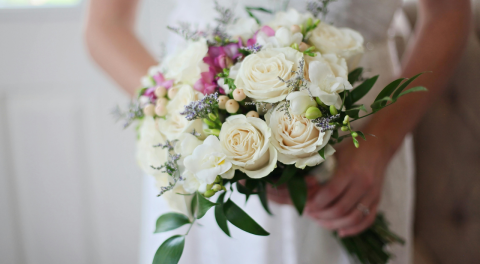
[(439, 41), (112, 43)]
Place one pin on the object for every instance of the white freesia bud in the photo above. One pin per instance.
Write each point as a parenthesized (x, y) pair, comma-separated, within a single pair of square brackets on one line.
[(300, 101), (149, 110)]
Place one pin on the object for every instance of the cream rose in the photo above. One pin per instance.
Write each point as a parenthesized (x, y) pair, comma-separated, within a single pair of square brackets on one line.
[(344, 42), (187, 65), (328, 76), (245, 141), (289, 18), (258, 74), (175, 124), (297, 140)]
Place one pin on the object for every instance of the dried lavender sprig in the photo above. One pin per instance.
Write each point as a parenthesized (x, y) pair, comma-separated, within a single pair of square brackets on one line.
[(184, 30), (226, 14), (133, 112), (170, 167), (297, 82), (201, 108), (253, 48), (324, 122), (168, 145), (320, 6)]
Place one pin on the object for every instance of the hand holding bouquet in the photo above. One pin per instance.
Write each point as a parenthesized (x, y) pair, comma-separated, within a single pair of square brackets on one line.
[(248, 105)]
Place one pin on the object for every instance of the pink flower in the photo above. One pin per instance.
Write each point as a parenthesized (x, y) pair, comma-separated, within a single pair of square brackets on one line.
[(207, 84), (160, 80), (222, 57), (265, 29)]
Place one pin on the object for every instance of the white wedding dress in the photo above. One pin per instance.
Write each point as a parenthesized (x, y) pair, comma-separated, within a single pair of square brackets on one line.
[(293, 240)]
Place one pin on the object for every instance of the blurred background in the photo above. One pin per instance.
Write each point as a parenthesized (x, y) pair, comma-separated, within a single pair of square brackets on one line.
[(70, 191)]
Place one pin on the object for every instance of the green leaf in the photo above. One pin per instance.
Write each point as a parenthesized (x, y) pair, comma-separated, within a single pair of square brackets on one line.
[(244, 190), (361, 90), (220, 215), (242, 220), (360, 133), (170, 251), (412, 90), (297, 187), (404, 85), (287, 174), (203, 205), (381, 103), (389, 89), (261, 9), (322, 152), (171, 221), (355, 75), (193, 204), (355, 111), (262, 195)]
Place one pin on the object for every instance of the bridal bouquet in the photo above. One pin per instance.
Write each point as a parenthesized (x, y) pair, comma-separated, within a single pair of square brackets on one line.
[(246, 105)]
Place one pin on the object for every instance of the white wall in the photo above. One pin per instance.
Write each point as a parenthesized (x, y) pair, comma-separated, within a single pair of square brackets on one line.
[(69, 186)]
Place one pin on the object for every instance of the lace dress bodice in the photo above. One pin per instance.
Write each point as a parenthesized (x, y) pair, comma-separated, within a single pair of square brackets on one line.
[(372, 18)]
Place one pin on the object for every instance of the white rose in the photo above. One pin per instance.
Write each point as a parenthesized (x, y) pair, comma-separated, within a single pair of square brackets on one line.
[(208, 161), (186, 65), (300, 101), (344, 42), (297, 140), (245, 140), (283, 38), (243, 27), (147, 154), (328, 76), (258, 74), (289, 18), (175, 124)]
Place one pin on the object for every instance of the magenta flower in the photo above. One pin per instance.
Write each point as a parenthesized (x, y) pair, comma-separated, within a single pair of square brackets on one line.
[(265, 29), (161, 81), (207, 83), (222, 57)]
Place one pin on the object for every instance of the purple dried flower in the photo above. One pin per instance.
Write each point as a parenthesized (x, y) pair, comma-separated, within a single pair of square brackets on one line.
[(201, 108)]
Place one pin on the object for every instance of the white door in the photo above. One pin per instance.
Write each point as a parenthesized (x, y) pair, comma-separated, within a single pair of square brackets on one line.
[(69, 186)]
